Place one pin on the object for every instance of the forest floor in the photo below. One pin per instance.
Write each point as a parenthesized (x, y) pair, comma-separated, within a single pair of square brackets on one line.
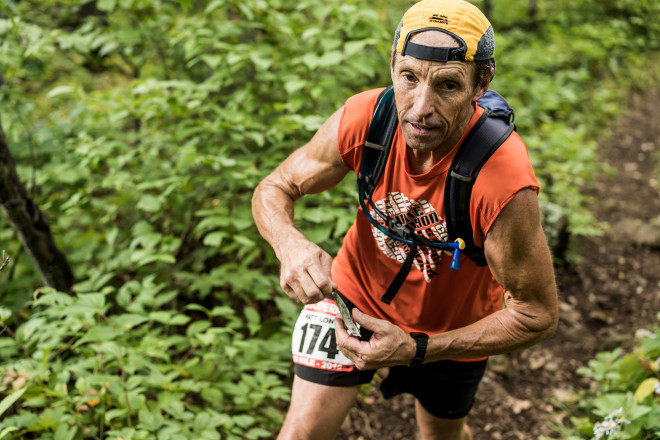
[(611, 292)]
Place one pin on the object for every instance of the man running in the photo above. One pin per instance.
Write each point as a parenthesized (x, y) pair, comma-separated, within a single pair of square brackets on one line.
[(437, 332)]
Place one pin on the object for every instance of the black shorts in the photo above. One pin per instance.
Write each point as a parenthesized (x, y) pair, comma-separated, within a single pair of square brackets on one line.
[(446, 389)]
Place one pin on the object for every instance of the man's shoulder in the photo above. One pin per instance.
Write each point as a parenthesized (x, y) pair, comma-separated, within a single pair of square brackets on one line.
[(509, 168), (513, 149), (357, 114), (364, 101), (354, 125)]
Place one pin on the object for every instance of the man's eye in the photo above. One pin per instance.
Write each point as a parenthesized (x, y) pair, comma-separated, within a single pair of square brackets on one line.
[(450, 86), (409, 77)]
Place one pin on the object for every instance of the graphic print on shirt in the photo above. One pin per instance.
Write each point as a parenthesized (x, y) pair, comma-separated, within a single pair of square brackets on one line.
[(421, 216)]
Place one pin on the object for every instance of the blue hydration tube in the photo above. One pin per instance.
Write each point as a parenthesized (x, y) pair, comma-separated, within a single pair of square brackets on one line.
[(404, 234)]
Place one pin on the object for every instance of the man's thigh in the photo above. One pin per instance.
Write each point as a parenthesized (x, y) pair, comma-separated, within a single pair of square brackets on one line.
[(316, 411)]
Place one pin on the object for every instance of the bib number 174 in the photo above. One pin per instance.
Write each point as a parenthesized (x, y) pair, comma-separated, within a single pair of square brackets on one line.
[(314, 343)]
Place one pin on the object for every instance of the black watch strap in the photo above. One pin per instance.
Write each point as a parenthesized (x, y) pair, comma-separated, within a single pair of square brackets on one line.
[(422, 340)]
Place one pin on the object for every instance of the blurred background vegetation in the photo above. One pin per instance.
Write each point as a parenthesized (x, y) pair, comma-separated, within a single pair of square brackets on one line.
[(141, 127)]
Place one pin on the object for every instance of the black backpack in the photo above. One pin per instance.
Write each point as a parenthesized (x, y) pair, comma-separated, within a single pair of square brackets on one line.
[(488, 133)]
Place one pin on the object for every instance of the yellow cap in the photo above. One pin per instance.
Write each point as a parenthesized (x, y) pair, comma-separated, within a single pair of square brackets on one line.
[(458, 18)]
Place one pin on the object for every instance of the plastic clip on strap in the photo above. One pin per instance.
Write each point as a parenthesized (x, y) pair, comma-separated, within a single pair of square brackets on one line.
[(459, 246), (400, 277)]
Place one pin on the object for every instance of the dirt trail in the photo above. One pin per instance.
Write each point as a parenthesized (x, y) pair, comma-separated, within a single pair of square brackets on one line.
[(603, 300)]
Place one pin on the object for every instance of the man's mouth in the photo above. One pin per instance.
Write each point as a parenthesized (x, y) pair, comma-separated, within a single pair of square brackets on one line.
[(421, 130)]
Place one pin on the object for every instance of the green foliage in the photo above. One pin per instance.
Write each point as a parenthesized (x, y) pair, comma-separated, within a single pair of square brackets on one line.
[(142, 371), (625, 394), (141, 128), (567, 77), (141, 131)]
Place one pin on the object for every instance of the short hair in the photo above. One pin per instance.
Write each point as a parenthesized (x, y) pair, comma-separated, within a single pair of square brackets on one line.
[(485, 72)]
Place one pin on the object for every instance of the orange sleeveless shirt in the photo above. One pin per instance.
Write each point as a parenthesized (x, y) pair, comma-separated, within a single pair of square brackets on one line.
[(433, 298)]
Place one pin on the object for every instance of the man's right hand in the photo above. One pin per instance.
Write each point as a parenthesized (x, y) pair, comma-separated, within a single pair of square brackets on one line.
[(305, 272), (315, 167)]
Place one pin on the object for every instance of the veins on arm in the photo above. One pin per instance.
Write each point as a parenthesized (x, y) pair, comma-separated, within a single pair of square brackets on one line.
[(519, 259), (313, 168)]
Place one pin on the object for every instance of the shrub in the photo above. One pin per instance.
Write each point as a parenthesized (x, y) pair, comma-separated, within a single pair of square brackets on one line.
[(624, 401)]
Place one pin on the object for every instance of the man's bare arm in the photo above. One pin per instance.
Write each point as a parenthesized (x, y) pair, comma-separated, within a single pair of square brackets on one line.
[(519, 258), (317, 166)]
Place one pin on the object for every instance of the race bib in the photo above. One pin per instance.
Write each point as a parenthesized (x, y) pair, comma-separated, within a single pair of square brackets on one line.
[(313, 344)]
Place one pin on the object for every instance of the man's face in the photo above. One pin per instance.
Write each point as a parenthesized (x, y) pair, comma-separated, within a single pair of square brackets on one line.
[(434, 100)]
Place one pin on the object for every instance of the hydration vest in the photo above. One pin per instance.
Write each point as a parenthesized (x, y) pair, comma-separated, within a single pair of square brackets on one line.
[(488, 133)]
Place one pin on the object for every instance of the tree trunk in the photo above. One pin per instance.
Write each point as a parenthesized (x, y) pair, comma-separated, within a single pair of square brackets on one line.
[(30, 225), (532, 9)]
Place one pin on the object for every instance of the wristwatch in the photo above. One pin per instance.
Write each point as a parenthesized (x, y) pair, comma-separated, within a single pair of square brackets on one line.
[(422, 340)]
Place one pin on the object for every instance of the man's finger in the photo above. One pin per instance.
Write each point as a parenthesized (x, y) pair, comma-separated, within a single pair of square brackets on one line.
[(340, 329), (306, 289), (320, 275), (345, 342), (368, 322), (326, 262)]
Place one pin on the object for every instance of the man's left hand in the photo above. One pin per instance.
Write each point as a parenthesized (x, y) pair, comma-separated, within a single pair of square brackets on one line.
[(389, 345)]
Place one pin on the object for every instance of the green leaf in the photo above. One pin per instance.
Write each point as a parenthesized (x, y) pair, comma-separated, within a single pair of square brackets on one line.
[(185, 4), (212, 395), (58, 91), (53, 298), (8, 401), (244, 241), (7, 431), (179, 319), (256, 433), (11, 5), (5, 314), (253, 320), (128, 321), (638, 411), (330, 58), (152, 421), (64, 432), (197, 327), (252, 315), (214, 239), (114, 413), (244, 420), (645, 389), (161, 316), (106, 5), (95, 300), (294, 85), (100, 333), (150, 203), (608, 403)]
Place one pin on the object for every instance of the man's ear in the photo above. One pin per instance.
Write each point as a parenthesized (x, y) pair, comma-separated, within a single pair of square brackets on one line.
[(482, 88), (392, 61)]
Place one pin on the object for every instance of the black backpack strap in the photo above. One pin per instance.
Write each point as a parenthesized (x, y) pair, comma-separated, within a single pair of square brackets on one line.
[(379, 141), (377, 148), (401, 276), (483, 140)]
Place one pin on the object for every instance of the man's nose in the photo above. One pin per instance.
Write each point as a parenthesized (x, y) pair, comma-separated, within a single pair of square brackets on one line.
[(423, 104)]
